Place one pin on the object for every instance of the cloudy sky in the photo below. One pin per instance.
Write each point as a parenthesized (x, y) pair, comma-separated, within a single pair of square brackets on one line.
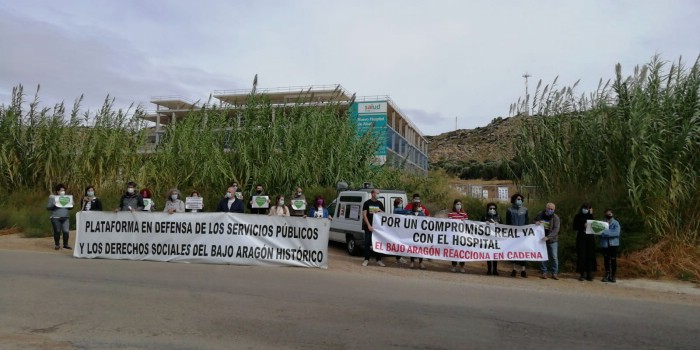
[(438, 60)]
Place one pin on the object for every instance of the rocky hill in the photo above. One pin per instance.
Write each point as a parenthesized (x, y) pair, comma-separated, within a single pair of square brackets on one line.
[(491, 142)]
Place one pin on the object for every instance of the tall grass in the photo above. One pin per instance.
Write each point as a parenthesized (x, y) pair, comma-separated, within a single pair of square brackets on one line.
[(637, 140)]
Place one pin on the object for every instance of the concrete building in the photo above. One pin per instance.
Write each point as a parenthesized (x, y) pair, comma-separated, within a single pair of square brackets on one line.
[(401, 142)]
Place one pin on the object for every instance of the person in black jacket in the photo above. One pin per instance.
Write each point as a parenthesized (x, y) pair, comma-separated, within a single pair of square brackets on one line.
[(492, 216), (90, 202), (585, 244), (230, 204)]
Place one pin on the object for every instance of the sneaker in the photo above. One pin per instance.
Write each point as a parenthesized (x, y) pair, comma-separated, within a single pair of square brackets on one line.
[(513, 273), (413, 266), (422, 266), (523, 274), (365, 263), (605, 278), (580, 278), (543, 276), (57, 247), (453, 269), (462, 270), (554, 277), (589, 279), (380, 263), (402, 260), (612, 279), (66, 247)]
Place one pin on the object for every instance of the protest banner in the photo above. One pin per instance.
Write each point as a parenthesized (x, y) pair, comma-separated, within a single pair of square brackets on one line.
[(595, 227), (456, 240), (217, 238)]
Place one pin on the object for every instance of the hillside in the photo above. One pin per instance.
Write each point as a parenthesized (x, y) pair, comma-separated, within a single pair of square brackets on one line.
[(491, 142)]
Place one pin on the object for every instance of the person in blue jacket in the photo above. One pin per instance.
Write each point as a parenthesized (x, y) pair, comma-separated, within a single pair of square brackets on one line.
[(610, 241), (230, 204), (318, 210)]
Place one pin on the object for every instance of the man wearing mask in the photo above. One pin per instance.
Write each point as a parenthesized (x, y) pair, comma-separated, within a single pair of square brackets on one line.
[(609, 241), (230, 204), (517, 215), (369, 208), (418, 209), (298, 196), (551, 223), (130, 200), (258, 192)]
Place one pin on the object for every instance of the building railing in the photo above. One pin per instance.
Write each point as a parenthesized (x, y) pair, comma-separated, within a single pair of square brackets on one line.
[(171, 98), (299, 89)]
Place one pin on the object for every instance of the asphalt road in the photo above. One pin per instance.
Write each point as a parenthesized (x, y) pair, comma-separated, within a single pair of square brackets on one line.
[(53, 301)]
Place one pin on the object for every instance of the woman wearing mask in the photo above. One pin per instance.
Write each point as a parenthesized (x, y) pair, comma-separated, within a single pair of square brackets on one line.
[(196, 195), (279, 209), (90, 202), (318, 210), (417, 209), (60, 218), (610, 241), (457, 213), (517, 215), (492, 217), (585, 244), (173, 204)]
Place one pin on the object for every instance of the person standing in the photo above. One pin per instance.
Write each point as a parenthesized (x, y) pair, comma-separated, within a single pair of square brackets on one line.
[(194, 194), (492, 217), (517, 215), (298, 196), (319, 210), (60, 218), (369, 208), (551, 223), (416, 208), (457, 213), (610, 241), (398, 209), (258, 193), (174, 204), (279, 209), (130, 200), (585, 244), (90, 202), (230, 203)]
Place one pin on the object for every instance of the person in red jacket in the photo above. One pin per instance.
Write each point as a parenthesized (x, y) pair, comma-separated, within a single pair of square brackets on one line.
[(457, 213), (417, 209)]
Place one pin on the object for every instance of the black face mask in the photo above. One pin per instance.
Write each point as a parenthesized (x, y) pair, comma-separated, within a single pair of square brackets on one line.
[(608, 217), (258, 191)]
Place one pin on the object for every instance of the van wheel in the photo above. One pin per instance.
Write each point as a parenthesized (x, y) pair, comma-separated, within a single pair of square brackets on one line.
[(350, 245)]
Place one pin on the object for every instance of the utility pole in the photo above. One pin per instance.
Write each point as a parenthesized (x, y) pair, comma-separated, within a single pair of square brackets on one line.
[(527, 94), (455, 123)]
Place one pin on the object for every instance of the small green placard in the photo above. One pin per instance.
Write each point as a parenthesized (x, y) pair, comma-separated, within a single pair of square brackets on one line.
[(298, 204)]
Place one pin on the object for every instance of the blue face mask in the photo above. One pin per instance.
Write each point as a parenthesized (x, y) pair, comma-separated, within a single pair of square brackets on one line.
[(518, 202), (549, 211), (585, 211)]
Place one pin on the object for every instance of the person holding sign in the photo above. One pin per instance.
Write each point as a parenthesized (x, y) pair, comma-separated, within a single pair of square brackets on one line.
[(585, 244), (230, 203), (90, 202), (319, 210), (369, 208), (279, 209), (259, 202), (517, 215), (609, 241), (194, 201), (492, 217), (130, 200), (298, 203), (148, 203), (417, 209), (551, 223), (60, 204), (457, 213), (173, 204)]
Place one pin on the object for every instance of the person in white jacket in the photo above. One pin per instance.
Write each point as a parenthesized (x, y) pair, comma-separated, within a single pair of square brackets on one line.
[(174, 204)]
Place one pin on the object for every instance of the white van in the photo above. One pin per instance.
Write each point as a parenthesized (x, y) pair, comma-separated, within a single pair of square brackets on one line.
[(346, 210)]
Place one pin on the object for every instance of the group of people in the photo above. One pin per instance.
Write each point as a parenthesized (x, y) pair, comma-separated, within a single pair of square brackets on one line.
[(516, 215), (136, 200)]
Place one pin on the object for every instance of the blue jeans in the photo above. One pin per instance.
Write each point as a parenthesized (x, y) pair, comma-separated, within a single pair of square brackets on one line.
[(60, 225), (553, 261)]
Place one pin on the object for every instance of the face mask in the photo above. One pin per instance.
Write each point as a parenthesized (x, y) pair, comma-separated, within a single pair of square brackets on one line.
[(299, 193), (492, 211), (173, 196), (458, 206), (608, 216), (518, 202), (319, 203), (258, 191), (61, 193), (91, 193), (130, 190), (281, 202), (228, 195), (549, 211)]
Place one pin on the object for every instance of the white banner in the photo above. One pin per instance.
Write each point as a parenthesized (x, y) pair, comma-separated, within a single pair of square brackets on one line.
[(456, 240), (217, 238)]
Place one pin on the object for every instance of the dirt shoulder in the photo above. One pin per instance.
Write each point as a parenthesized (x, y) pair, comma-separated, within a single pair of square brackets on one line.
[(341, 262)]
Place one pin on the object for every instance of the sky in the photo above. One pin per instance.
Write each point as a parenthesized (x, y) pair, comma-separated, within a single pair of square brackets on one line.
[(446, 64)]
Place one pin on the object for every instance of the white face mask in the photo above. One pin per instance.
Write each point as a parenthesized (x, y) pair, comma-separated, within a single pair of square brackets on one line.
[(130, 190), (61, 193), (91, 193), (299, 193), (173, 196), (281, 202), (458, 206), (585, 211), (492, 211), (228, 195)]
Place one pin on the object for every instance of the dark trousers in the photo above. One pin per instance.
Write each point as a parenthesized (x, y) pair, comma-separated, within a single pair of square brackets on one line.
[(610, 260), (368, 247), (492, 265), (60, 225), (585, 249), (420, 260), (461, 263)]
